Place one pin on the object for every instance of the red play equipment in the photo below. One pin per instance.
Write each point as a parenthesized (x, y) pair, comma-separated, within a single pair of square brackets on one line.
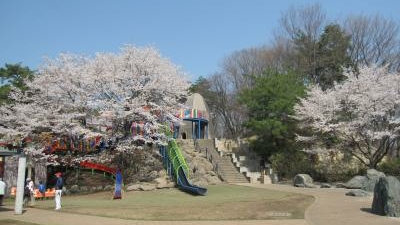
[(96, 166)]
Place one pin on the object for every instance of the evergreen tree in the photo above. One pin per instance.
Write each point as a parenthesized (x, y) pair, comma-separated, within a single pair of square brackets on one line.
[(13, 75), (322, 61), (332, 55), (270, 104)]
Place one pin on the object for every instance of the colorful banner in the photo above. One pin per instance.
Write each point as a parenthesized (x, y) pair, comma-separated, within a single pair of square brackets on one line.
[(192, 113), (72, 144)]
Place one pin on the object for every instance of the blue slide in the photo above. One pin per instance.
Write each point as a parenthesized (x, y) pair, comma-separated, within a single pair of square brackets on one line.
[(186, 186)]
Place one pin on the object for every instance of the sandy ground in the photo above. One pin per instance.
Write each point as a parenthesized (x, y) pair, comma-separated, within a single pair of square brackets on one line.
[(331, 206)]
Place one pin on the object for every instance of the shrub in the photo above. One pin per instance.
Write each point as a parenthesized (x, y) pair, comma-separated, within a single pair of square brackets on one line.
[(287, 165), (390, 167), (318, 166)]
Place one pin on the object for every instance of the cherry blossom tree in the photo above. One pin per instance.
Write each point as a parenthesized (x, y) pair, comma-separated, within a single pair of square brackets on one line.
[(134, 85), (360, 116)]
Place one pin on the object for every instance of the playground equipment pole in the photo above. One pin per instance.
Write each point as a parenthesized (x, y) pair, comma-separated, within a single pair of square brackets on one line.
[(19, 195)]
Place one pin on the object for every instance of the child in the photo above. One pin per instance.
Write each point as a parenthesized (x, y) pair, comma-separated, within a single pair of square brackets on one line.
[(42, 189)]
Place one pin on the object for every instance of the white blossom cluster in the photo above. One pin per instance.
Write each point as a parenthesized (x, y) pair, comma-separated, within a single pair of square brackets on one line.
[(362, 112), (127, 86)]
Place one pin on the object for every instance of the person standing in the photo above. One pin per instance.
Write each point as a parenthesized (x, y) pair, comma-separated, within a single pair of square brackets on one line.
[(27, 192), (31, 187), (59, 187), (2, 190)]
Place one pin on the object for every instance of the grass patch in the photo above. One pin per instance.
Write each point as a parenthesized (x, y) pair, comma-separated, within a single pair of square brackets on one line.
[(223, 202)]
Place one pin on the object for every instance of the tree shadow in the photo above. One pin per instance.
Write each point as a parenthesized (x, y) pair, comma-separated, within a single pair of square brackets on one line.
[(369, 211), (3, 209), (8, 209)]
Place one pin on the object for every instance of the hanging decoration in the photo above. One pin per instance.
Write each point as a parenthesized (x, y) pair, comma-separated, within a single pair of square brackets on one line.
[(192, 113)]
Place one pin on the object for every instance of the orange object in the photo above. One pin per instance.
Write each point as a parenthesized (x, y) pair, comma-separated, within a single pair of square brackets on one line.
[(37, 194), (50, 193), (13, 191)]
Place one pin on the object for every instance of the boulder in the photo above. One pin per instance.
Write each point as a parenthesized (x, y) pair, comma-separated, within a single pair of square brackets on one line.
[(212, 180), (74, 189), (171, 184), (84, 189), (147, 187), (366, 183), (387, 197), (372, 179), (357, 182), (303, 180), (358, 193), (212, 173), (162, 173), (161, 182), (133, 187), (326, 185), (340, 185), (108, 188)]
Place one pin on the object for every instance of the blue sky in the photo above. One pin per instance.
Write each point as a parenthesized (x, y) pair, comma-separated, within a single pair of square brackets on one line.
[(193, 34)]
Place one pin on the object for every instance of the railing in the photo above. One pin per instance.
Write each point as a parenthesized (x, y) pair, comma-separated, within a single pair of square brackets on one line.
[(176, 158), (211, 155)]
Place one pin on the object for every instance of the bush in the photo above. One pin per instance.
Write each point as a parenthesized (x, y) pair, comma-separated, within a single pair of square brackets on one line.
[(321, 169), (287, 165), (390, 167)]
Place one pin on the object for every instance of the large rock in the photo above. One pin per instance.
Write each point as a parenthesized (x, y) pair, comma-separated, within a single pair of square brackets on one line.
[(387, 197), (366, 183), (84, 189), (133, 187), (162, 173), (108, 188), (161, 182), (147, 187), (74, 189), (303, 180), (372, 179), (357, 182), (326, 185), (213, 180)]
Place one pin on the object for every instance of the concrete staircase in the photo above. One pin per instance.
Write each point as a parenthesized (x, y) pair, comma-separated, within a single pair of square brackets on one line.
[(222, 164)]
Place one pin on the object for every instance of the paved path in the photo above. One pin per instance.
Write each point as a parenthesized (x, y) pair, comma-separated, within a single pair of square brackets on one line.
[(330, 207), (333, 207)]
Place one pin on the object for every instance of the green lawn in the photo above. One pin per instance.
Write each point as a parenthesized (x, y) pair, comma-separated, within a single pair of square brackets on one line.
[(223, 202)]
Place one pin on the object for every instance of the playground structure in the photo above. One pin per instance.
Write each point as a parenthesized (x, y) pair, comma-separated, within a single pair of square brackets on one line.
[(198, 120), (97, 166), (195, 119), (139, 130), (176, 166)]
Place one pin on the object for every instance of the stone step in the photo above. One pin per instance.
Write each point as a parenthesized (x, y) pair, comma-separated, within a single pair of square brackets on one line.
[(226, 167)]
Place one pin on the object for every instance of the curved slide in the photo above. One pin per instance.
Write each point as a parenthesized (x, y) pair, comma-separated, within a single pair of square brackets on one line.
[(175, 164), (186, 186)]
